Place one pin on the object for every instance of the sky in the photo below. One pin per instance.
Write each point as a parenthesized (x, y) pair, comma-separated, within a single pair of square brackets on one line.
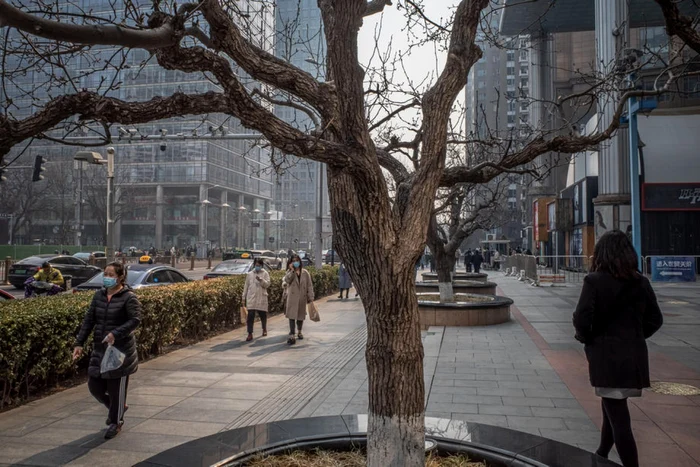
[(423, 61)]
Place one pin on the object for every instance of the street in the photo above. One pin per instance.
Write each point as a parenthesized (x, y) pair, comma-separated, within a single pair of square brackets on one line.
[(197, 274)]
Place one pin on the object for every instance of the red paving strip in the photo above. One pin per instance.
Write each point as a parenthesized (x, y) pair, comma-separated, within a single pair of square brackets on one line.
[(667, 428)]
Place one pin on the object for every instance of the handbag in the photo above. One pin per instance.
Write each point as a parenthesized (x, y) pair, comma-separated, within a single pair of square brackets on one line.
[(313, 312), (112, 359), (244, 314)]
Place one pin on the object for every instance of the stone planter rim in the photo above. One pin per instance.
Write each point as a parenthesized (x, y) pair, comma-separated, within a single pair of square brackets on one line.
[(492, 443), (498, 301)]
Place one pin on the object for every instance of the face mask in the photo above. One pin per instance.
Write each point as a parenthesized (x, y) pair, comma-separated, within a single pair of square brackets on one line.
[(296, 264), (109, 282), (258, 268)]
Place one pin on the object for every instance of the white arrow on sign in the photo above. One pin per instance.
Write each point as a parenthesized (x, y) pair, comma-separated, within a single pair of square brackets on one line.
[(671, 273)]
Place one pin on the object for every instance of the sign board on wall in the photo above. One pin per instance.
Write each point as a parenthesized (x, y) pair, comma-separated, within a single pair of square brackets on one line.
[(671, 197), (565, 215), (672, 269)]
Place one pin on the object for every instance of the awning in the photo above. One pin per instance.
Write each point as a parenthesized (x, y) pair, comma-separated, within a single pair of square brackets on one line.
[(551, 16)]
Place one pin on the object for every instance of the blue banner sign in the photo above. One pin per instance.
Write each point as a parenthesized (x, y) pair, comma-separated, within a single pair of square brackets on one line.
[(672, 269)]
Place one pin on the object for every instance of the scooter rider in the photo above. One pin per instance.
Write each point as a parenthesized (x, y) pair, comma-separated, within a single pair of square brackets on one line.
[(49, 274)]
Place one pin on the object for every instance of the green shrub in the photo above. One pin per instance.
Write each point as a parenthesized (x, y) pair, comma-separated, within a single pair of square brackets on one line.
[(37, 335)]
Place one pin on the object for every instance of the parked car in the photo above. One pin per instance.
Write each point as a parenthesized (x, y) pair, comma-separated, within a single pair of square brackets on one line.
[(269, 257), (139, 276), (77, 269), (5, 296), (85, 255), (331, 257), (232, 267)]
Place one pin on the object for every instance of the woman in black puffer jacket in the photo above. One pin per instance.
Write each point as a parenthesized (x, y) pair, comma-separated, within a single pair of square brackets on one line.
[(114, 314)]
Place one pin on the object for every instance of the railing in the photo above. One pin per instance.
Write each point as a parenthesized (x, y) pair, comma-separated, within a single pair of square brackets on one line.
[(547, 269)]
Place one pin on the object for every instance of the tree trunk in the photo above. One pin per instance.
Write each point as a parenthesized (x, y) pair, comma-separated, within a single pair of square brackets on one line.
[(445, 264), (366, 237)]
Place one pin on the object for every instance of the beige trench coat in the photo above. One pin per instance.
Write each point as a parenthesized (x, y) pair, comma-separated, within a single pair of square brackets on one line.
[(255, 292), (300, 291)]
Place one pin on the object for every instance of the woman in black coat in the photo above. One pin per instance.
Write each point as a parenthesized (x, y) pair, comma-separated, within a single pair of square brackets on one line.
[(114, 315), (615, 315)]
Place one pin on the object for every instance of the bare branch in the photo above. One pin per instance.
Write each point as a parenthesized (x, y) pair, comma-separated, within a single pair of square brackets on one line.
[(376, 6), (680, 25)]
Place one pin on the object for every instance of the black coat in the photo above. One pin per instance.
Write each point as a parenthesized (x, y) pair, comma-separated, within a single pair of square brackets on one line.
[(477, 259), (121, 316), (613, 319)]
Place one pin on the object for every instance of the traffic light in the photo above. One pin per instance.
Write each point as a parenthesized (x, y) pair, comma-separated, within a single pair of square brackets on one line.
[(39, 162), (3, 178)]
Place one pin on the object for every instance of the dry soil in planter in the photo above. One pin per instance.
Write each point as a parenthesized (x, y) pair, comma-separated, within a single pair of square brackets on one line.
[(321, 458)]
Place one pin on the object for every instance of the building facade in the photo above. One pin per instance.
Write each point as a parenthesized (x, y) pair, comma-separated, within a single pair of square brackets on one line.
[(301, 189), (498, 106), (168, 193), (594, 38)]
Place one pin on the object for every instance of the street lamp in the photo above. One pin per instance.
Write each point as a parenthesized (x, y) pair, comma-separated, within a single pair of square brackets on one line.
[(241, 225), (95, 158), (253, 226), (204, 230)]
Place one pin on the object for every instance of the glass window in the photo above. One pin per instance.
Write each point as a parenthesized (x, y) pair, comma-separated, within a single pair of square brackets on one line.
[(176, 277), (159, 277)]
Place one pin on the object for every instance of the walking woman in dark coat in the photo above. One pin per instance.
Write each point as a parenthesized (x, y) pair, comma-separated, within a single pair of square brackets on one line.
[(615, 315), (114, 314)]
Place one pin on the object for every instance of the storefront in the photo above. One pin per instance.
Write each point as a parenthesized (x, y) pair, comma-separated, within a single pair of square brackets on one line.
[(670, 219), (579, 226)]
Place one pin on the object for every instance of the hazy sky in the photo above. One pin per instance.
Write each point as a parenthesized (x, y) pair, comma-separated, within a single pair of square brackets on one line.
[(424, 61)]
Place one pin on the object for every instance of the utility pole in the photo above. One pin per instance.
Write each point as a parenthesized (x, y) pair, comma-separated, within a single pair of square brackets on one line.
[(110, 202), (79, 205), (318, 247)]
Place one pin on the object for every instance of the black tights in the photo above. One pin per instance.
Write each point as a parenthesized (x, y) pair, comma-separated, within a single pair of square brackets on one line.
[(299, 323), (617, 430)]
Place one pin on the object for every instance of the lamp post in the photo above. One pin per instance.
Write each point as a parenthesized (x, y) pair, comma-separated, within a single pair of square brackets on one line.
[(253, 226), (96, 158), (241, 226)]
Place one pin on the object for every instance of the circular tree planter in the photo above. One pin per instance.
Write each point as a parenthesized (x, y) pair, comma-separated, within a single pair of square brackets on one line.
[(460, 286), (466, 310), (495, 445), (458, 276)]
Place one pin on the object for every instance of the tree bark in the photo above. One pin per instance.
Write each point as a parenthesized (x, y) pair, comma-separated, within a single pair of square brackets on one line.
[(367, 239), (444, 264)]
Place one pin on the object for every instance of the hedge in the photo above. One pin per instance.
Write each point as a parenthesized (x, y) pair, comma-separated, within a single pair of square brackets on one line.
[(37, 335)]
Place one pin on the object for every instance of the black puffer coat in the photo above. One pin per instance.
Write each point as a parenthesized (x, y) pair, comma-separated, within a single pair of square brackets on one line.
[(613, 319), (120, 316)]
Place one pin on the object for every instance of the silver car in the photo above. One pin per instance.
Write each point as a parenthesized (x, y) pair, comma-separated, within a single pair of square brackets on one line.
[(139, 276)]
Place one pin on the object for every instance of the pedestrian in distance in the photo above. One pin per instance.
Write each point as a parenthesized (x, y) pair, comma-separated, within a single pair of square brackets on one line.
[(300, 292), (114, 315), (255, 296), (477, 259), (468, 257), (344, 280), (616, 313)]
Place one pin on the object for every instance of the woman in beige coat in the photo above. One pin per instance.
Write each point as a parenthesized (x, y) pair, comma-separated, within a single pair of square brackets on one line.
[(255, 296), (300, 292)]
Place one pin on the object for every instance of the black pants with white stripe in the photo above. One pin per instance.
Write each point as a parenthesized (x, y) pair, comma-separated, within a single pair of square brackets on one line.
[(111, 393)]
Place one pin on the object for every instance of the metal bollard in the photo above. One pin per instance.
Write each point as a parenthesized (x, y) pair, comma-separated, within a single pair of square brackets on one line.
[(6, 274), (191, 261), (172, 260), (209, 263)]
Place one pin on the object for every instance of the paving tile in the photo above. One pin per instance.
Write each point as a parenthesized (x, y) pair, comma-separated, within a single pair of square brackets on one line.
[(468, 399), (146, 442), (504, 410), (559, 413), (500, 391), (196, 414), (17, 426), (179, 428), (452, 407), (495, 420), (109, 457), (163, 391), (528, 401), (516, 422)]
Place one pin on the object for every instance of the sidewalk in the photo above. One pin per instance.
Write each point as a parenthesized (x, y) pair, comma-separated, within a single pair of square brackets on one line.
[(529, 375)]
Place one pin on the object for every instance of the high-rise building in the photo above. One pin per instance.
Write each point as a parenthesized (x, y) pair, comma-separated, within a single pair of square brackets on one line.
[(498, 106), (300, 40), (211, 192)]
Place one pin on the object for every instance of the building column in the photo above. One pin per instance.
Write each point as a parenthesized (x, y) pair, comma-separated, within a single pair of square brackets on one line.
[(202, 213), (612, 206), (159, 217), (222, 219)]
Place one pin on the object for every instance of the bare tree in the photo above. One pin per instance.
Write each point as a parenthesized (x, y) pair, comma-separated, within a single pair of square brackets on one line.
[(24, 200), (379, 232)]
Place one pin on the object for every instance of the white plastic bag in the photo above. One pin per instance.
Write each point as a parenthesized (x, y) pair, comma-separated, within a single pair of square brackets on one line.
[(112, 359)]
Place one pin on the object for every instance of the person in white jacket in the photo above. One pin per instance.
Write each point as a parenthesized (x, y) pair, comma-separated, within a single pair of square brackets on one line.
[(255, 296)]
